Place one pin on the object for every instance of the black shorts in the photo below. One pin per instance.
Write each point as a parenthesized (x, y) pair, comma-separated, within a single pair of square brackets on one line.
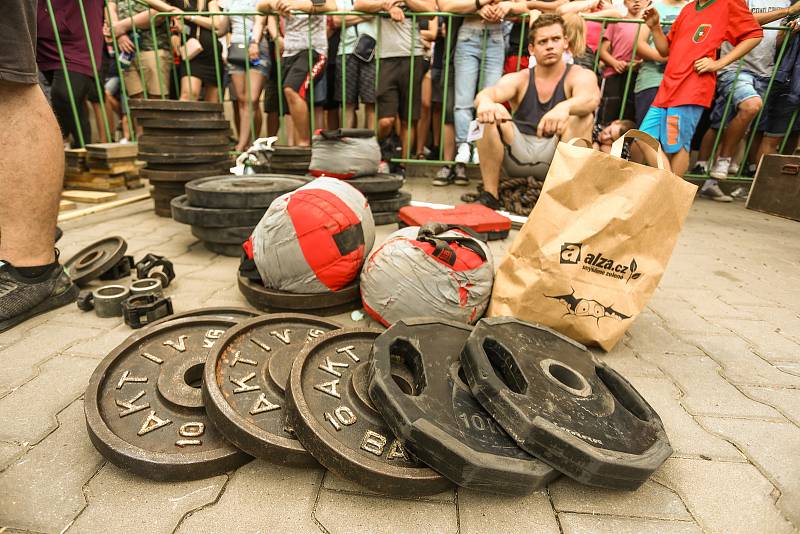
[(437, 92), (295, 72), (359, 79), (393, 87), (271, 93), (18, 41)]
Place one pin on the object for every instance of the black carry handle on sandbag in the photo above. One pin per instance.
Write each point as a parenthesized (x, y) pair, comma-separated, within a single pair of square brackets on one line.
[(363, 133), (428, 233)]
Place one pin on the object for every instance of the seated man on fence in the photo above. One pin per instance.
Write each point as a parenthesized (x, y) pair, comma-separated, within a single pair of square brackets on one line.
[(550, 101)]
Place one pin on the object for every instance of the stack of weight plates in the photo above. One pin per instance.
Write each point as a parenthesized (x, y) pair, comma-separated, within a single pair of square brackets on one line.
[(384, 195), (181, 141), (287, 160), (223, 210)]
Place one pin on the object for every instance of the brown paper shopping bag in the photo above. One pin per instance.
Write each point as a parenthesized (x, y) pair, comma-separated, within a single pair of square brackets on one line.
[(595, 245)]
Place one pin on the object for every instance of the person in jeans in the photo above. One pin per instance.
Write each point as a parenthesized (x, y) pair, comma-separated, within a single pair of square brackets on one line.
[(470, 74), (31, 279)]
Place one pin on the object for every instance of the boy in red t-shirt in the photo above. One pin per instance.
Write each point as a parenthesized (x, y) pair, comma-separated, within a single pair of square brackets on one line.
[(689, 78)]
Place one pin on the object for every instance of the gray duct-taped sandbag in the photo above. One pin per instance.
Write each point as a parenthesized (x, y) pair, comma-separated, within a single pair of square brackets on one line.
[(314, 239), (428, 271), (345, 153)]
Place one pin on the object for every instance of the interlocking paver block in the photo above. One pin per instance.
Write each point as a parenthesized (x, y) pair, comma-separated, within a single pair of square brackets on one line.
[(260, 497), (482, 512), (649, 334), (9, 452), (605, 524), (42, 490), (725, 497), (769, 340), (787, 401), (625, 361), (776, 456), (335, 483), (120, 502)]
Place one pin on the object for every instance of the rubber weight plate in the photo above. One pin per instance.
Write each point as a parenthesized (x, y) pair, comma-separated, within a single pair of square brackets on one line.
[(377, 183), (209, 168), (385, 217), (165, 157), (225, 249), (214, 217), (228, 313), (391, 204), (186, 148), (173, 105), (144, 407), (197, 141), (267, 299), (562, 405), (253, 191), (234, 235), (293, 152), (171, 114), (245, 380), (90, 262), (188, 133), (185, 124), (416, 383), (333, 417)]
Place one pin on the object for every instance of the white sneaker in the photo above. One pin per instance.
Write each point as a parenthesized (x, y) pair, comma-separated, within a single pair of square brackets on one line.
[(475, 159), (733, 169), (711, 190), (462, 156), (721, 168)]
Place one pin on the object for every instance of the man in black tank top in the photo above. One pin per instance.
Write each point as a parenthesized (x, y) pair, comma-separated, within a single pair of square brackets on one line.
[(550, 101)]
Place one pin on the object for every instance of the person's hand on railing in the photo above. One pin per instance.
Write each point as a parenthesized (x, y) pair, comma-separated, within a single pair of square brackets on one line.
[(284, 7), (533, 14), (490, 13), (397, 14)]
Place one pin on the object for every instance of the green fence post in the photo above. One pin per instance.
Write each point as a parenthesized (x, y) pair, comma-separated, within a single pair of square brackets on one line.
[(446, 86), (724, 120), (186, 58), (311, 104), (121, 74), (215, 52), (72, 103), (97, 84), (135, 30), (599, 42), (342, 42), (406, 154), (521, 40), (154, 37), (378, 71), (630, 71)]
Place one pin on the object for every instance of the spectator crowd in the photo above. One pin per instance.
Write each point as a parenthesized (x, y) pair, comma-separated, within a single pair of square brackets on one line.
[(668, 67)]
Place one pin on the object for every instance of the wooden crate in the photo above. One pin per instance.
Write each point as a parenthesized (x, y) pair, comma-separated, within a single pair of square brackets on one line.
[(112, 150), (776, 187)]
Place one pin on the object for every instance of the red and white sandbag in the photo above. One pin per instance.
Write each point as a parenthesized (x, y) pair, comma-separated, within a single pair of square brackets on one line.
[(314, 239), (345, 153), (442, 274)]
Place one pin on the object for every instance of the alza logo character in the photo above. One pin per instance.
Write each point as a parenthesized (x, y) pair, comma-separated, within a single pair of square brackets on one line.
[(702, 32), (587, 308), (599, 264)]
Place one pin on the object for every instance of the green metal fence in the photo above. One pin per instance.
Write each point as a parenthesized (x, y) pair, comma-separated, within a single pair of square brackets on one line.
[(163, 19)]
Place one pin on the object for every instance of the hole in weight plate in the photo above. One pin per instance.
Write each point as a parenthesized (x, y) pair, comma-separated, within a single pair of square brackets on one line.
[(194, 376), (505, 367), (406, 367), (566, 376)]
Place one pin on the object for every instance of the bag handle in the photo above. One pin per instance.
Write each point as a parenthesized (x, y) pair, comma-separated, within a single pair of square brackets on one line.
[(576, 139), (617, 146)]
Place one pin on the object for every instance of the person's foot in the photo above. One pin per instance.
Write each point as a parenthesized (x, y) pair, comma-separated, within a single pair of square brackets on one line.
[(699, 168), (721, 168), (443, 177), (489, 200), (23, 297), (460, 174), (733, 168), (475, 159), (462, 156), (740, 193), (711, 190)]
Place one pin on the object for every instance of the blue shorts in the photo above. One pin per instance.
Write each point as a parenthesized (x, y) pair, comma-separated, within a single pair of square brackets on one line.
[(672, 127), (777, 114), (748, 85)]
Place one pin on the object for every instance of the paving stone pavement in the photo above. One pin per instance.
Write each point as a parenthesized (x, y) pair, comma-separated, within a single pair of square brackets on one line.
[(717, 354)]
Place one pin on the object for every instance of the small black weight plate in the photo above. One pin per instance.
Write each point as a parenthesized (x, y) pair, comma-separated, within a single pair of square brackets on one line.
[(263, 298), (177, 173), (391, 204), (294, 152), (385, 217), (213, 217), (183, 140), (289, 168), (245, 379), (232, 314), (225, 249), (90, 262), (333, 417), (562, 405), (171, 114), (430, 409), (182, 132), (233, 235), (173, 105), (165, 148), (198, 157), (185, 124), (377, 183), (252, 191), (144, 407)]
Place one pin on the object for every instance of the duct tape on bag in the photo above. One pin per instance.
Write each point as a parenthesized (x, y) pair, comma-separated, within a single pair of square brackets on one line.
[(345, 153)]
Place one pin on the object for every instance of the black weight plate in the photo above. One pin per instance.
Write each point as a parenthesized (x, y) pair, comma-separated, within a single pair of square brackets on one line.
[(144, 407), (377, 183), (392, 204), (266, 299), (170, 105), (562, 405), (183, 140), (213, 217), (185, 124), (167, 115), (225, 249), (198, 157), (252, 191), (296, 152), (233, 235), (385, 217), (245, 379), (333, 417), (182, 132), (177, 173), (289, 168), (435, 416), (187, 148), (92, 261), (161, 194), (163, 212), (231, 314)]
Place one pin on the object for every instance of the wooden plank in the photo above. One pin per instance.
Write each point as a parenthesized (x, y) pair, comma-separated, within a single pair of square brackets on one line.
[(776, 187), (116, 168), (112, 150), (66, 205), (89, 197), (103, 207)]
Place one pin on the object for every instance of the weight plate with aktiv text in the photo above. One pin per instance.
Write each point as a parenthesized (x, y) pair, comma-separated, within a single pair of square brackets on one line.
[(328, 303), (92, 261), (434, 414), (245, 380), (214, 217), (335, 420), (562, 405), (252, 191), (144, 406)]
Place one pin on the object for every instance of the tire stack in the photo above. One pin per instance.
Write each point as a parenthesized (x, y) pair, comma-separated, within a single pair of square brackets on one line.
[(384, 195), (286, 160), (223, 210), (181, 141)]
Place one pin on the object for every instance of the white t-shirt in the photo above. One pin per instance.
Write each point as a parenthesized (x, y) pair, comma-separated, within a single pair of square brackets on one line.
[(761, 59)]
